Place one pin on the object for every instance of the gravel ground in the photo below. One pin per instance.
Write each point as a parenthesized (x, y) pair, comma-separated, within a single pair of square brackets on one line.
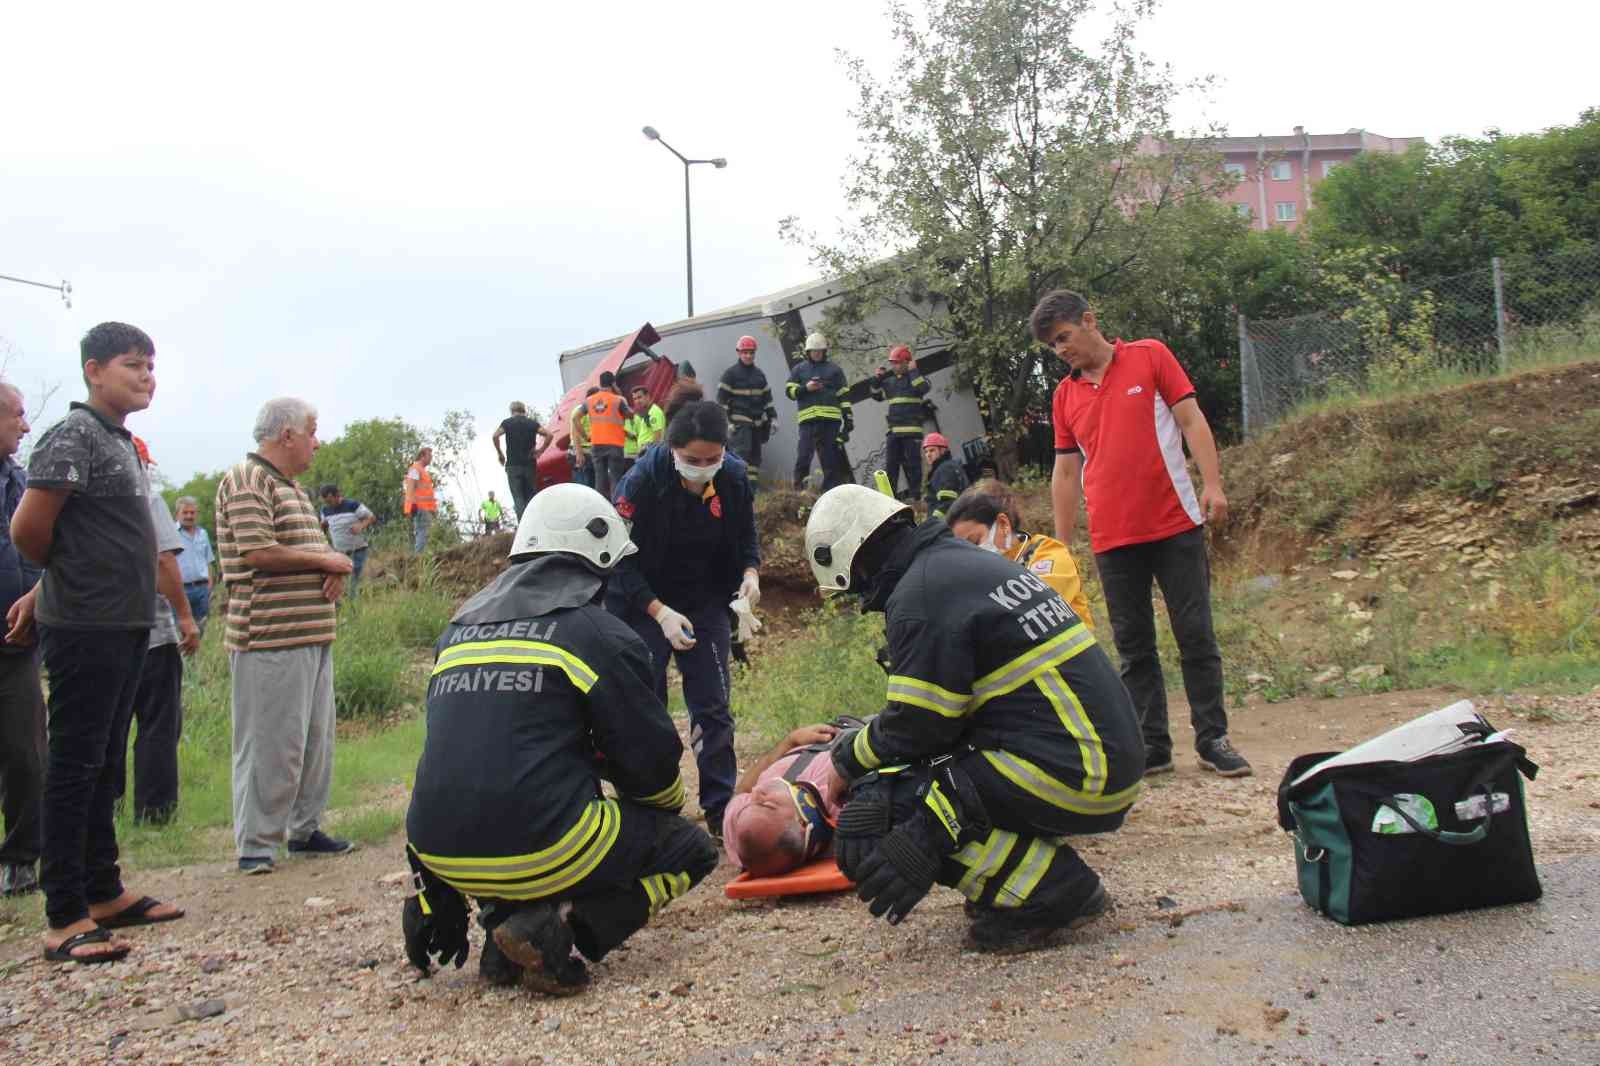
[(307, 965)]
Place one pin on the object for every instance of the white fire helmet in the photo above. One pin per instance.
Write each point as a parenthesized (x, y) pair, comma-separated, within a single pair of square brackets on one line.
[(840, 523), (573, 518)]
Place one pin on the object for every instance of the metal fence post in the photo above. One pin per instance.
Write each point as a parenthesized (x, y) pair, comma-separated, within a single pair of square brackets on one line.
[(1245, 361), (1499, 313)]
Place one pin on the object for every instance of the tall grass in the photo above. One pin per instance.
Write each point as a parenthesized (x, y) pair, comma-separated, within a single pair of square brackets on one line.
[(380, 665), (830, 670)]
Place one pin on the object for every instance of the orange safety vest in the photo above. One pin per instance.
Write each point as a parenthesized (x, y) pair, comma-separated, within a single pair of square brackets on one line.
[(605, 419), (422, 489)]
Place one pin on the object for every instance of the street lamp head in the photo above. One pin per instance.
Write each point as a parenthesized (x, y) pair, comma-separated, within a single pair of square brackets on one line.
[(650, 132), (719, 163)]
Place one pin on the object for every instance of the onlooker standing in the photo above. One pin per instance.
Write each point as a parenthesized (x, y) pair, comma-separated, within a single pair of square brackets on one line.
[(525, 438), (649, 422), (158, 702), (491, 513), (194, 562), (420, 503), (347, 522), (84, 518), (283, 580), (22, 737), (608, 413), (823, 415), (1122, 417)]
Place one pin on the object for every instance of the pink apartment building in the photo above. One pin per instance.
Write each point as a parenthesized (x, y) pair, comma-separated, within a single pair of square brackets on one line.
[(1277, 175)]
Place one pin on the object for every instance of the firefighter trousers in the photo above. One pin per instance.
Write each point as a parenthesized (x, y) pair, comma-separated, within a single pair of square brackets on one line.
[(657, 858), (820, 437), (745, 440), (903, 451)]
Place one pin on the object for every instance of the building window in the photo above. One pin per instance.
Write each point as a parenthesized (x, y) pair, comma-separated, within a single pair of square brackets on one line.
[(1242, 210), (1233, 170), (1285, 210), (1328, 165), (1282, 170)]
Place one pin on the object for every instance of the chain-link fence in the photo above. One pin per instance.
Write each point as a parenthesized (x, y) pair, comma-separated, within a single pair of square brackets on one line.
[(1479, 322)]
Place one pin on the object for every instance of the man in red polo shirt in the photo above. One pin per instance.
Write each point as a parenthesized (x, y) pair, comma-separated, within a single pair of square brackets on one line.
[(1122, 417)]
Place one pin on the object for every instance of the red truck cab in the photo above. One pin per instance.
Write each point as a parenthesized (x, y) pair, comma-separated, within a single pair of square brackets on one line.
[(634, 363)]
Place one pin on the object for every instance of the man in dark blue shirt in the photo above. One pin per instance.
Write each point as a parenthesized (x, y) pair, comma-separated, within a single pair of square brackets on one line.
[(22, 736)]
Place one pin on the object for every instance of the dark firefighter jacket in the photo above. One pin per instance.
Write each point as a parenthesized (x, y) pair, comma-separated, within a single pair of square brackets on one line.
[(904, 396), (985, 654), (744, 394), (946, 480), (826, 402), (536, 690), (641, 498)]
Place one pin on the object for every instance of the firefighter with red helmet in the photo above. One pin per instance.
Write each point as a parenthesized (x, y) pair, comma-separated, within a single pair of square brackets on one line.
[(946, 479), (902, 386), (744, 394)]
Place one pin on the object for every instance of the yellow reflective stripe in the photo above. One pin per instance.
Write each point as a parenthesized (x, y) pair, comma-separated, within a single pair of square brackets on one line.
[(662, 889), (671, 796), (844, 405), (1076, 722), (742, 392), (862, 750), (927, 695), (982, 859), (1025, 667), (918, 380), (906, 399), (1025, 878), (518, 652), (948, 494), (907, 430), (543, 873), (808, 414), (792, 389), (1034, 781)]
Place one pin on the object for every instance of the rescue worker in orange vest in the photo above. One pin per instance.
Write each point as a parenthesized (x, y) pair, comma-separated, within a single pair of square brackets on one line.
[(608, 414), (419, 500)]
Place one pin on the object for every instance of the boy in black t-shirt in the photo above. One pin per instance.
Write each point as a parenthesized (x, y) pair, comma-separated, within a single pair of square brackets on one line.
[(85, 518)]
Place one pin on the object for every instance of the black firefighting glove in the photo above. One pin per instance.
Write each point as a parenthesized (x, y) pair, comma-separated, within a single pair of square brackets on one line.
[(434, 920), (864, 821), (896, 876)]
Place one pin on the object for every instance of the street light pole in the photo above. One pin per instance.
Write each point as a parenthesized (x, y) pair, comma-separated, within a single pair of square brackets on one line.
[(688, 231), (65, 288)]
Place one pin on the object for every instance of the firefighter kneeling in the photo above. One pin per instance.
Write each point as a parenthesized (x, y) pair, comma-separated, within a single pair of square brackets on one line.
[(1005, 729), (536, 694)]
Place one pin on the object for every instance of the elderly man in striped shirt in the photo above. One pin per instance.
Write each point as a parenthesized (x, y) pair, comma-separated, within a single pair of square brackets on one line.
[(283, 580)]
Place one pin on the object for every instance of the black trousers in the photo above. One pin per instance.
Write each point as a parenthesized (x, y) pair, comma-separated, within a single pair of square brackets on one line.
[(158, 708), (94, 674), (1178, 564), (1022, 867), (903, 451), (745, 440), (657, 858), (22, 755), (607, 460), (820, 437), (521, 479)]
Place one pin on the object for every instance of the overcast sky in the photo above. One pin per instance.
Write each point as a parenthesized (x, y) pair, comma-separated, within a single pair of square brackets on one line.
[(395, 209)]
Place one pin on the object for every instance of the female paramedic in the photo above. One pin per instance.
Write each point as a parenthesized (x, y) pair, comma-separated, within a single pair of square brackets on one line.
[(986, 514), (693, 519)]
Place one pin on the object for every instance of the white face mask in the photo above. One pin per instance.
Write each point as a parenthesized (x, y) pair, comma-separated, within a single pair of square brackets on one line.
[(697, 475), (988, 544)]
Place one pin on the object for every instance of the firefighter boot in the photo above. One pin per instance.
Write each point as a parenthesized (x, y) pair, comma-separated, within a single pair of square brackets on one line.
[(538, 940), (1014, 930)]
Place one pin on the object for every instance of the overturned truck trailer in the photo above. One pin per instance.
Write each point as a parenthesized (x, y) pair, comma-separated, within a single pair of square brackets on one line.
[(779, 323)]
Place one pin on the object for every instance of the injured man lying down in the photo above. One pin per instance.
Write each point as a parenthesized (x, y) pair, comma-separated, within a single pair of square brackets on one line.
[(785, 806)]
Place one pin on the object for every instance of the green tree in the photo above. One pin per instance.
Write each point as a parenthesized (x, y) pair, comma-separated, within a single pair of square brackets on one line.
[(368, 462), (1004, 156), (203, 487)]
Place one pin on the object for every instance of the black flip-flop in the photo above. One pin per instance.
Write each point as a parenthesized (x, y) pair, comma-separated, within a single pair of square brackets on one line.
[(138, 913), (63, 952)]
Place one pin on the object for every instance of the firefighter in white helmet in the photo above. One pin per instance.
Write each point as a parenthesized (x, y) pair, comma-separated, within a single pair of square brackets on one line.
[(817, 388), (536, 694), (1005, 728)]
